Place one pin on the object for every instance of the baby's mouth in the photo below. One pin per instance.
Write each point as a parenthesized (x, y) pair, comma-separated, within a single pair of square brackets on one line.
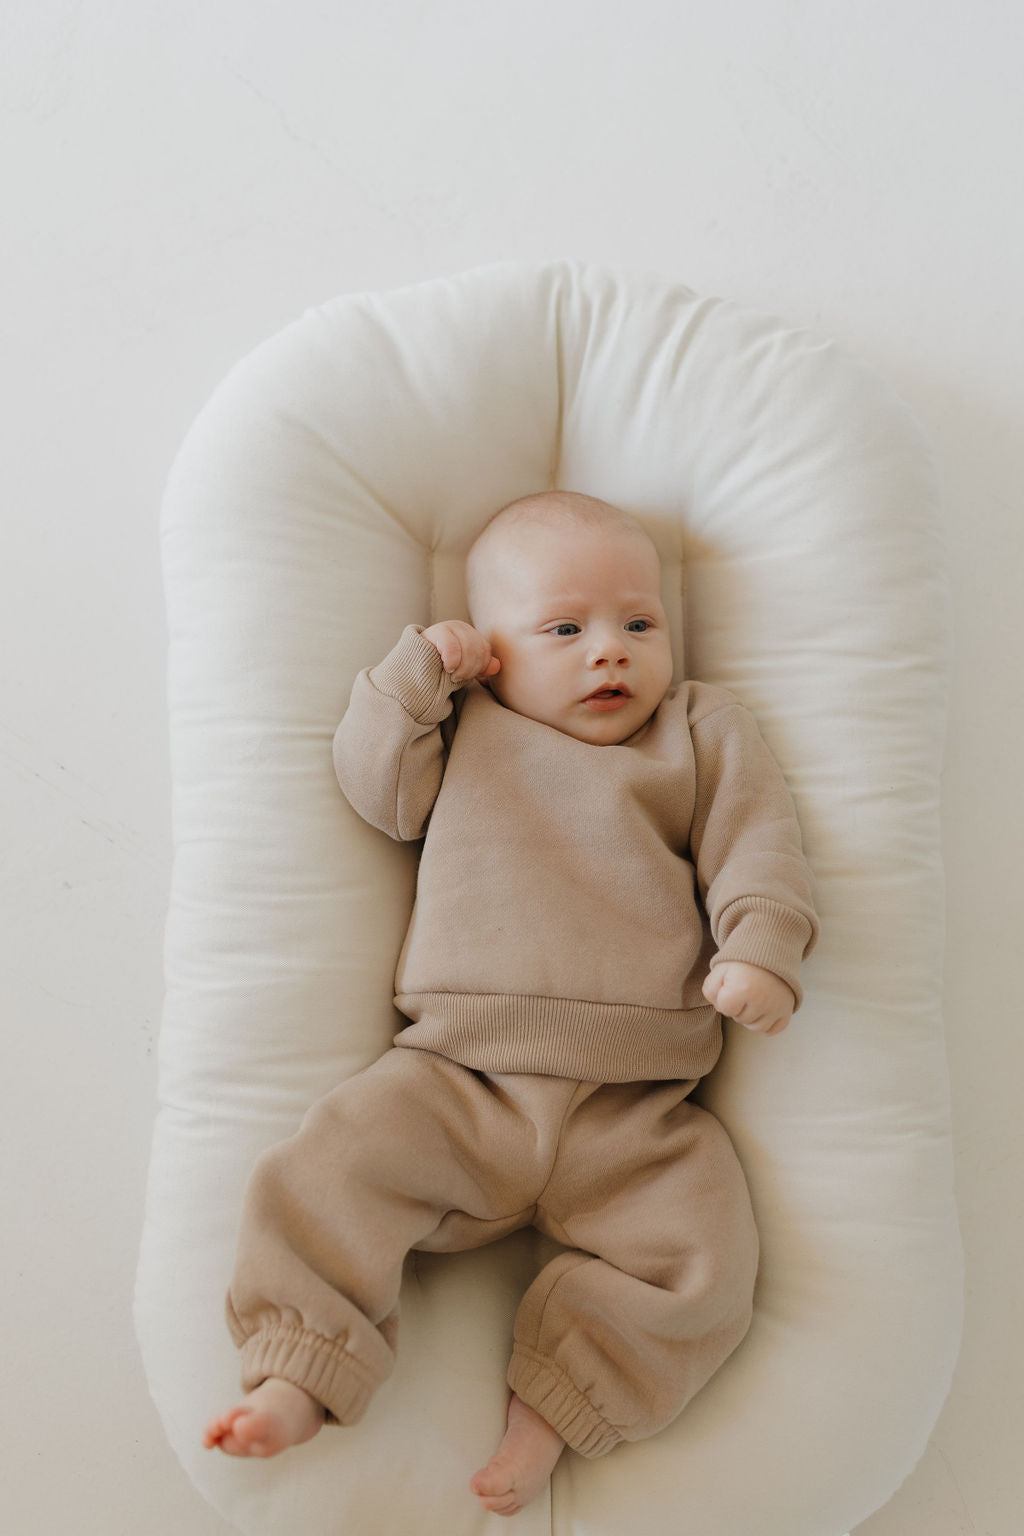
[(611, 690), (607, 698)]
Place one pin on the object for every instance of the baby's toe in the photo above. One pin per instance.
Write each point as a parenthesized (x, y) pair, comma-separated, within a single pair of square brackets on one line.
[(219, 1429)]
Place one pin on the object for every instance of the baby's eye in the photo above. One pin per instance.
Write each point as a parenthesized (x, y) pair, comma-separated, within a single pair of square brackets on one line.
[(643, 622), (564, 629)]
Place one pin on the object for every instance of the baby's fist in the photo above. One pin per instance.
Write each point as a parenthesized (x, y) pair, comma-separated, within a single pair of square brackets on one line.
[(463, 650), (754, 997)]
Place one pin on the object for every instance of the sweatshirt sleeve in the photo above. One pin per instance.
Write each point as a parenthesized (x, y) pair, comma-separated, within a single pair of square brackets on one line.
[(389, 753), (745, 842)]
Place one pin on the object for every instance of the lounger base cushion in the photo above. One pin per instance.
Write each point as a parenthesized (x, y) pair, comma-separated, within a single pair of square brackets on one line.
[(326, 497)]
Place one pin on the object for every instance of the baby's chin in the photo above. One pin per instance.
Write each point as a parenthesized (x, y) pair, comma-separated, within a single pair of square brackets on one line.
[(596, 727), (601, 734), (599, 730)]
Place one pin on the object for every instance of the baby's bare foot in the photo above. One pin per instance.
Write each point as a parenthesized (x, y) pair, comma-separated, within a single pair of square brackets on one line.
[(522, 1464), (269, 1419)]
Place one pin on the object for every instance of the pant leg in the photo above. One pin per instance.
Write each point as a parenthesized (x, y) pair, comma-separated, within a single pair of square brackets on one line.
[(416, 1151), (615, 1336)]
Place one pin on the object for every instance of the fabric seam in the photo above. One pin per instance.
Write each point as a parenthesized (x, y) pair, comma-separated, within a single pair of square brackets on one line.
[(570, 1102)]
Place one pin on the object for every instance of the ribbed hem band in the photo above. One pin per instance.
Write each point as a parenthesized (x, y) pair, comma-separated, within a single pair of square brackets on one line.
[(562, 1036), (547, 1389), (321, 1367)]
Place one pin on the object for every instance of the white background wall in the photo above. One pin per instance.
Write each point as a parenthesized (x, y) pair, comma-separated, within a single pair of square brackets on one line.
[(179, 181)]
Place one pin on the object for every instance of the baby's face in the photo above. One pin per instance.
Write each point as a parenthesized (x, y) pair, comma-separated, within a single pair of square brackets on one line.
[(571, 615)]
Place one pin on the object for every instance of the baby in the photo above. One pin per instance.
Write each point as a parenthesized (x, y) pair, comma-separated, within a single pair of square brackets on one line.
[(610, 864)]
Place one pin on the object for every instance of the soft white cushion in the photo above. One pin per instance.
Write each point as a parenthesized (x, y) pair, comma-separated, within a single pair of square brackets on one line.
[(324, 498)]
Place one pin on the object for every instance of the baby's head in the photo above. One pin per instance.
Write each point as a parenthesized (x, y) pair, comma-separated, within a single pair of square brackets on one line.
[(567, 589)]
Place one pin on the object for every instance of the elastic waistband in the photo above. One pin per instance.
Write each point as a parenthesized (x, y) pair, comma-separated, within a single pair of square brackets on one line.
[(562, 1036)]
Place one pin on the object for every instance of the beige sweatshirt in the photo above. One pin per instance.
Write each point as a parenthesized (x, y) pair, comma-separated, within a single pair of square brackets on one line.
[(571, 898)]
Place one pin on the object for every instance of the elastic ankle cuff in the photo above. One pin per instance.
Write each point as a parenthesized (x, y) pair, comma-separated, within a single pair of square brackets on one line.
[(322, 1367), (547, 1389)]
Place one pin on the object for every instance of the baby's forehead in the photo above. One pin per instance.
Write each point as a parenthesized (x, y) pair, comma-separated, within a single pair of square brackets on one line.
[(551, 546), (572, 581), (570, 553), (569, 591), (529, 565)]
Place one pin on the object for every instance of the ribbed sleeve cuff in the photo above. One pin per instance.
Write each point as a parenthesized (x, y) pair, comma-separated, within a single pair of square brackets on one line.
[(768, 934), (412, 673)]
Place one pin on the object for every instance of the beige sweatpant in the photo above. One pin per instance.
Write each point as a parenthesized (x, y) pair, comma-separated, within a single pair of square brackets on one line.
[(612, 1338)]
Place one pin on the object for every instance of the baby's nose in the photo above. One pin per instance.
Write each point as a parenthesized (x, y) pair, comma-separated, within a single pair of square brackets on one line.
[(609, 653)]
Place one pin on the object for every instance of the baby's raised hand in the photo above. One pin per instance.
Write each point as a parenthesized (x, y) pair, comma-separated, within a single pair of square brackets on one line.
[(463, 650), (754, 997)]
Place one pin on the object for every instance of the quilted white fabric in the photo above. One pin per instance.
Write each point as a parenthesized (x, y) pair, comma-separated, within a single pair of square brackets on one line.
[(324, 498)]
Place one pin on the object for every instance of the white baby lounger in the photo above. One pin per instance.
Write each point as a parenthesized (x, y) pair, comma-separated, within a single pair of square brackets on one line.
[(324, 499)]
